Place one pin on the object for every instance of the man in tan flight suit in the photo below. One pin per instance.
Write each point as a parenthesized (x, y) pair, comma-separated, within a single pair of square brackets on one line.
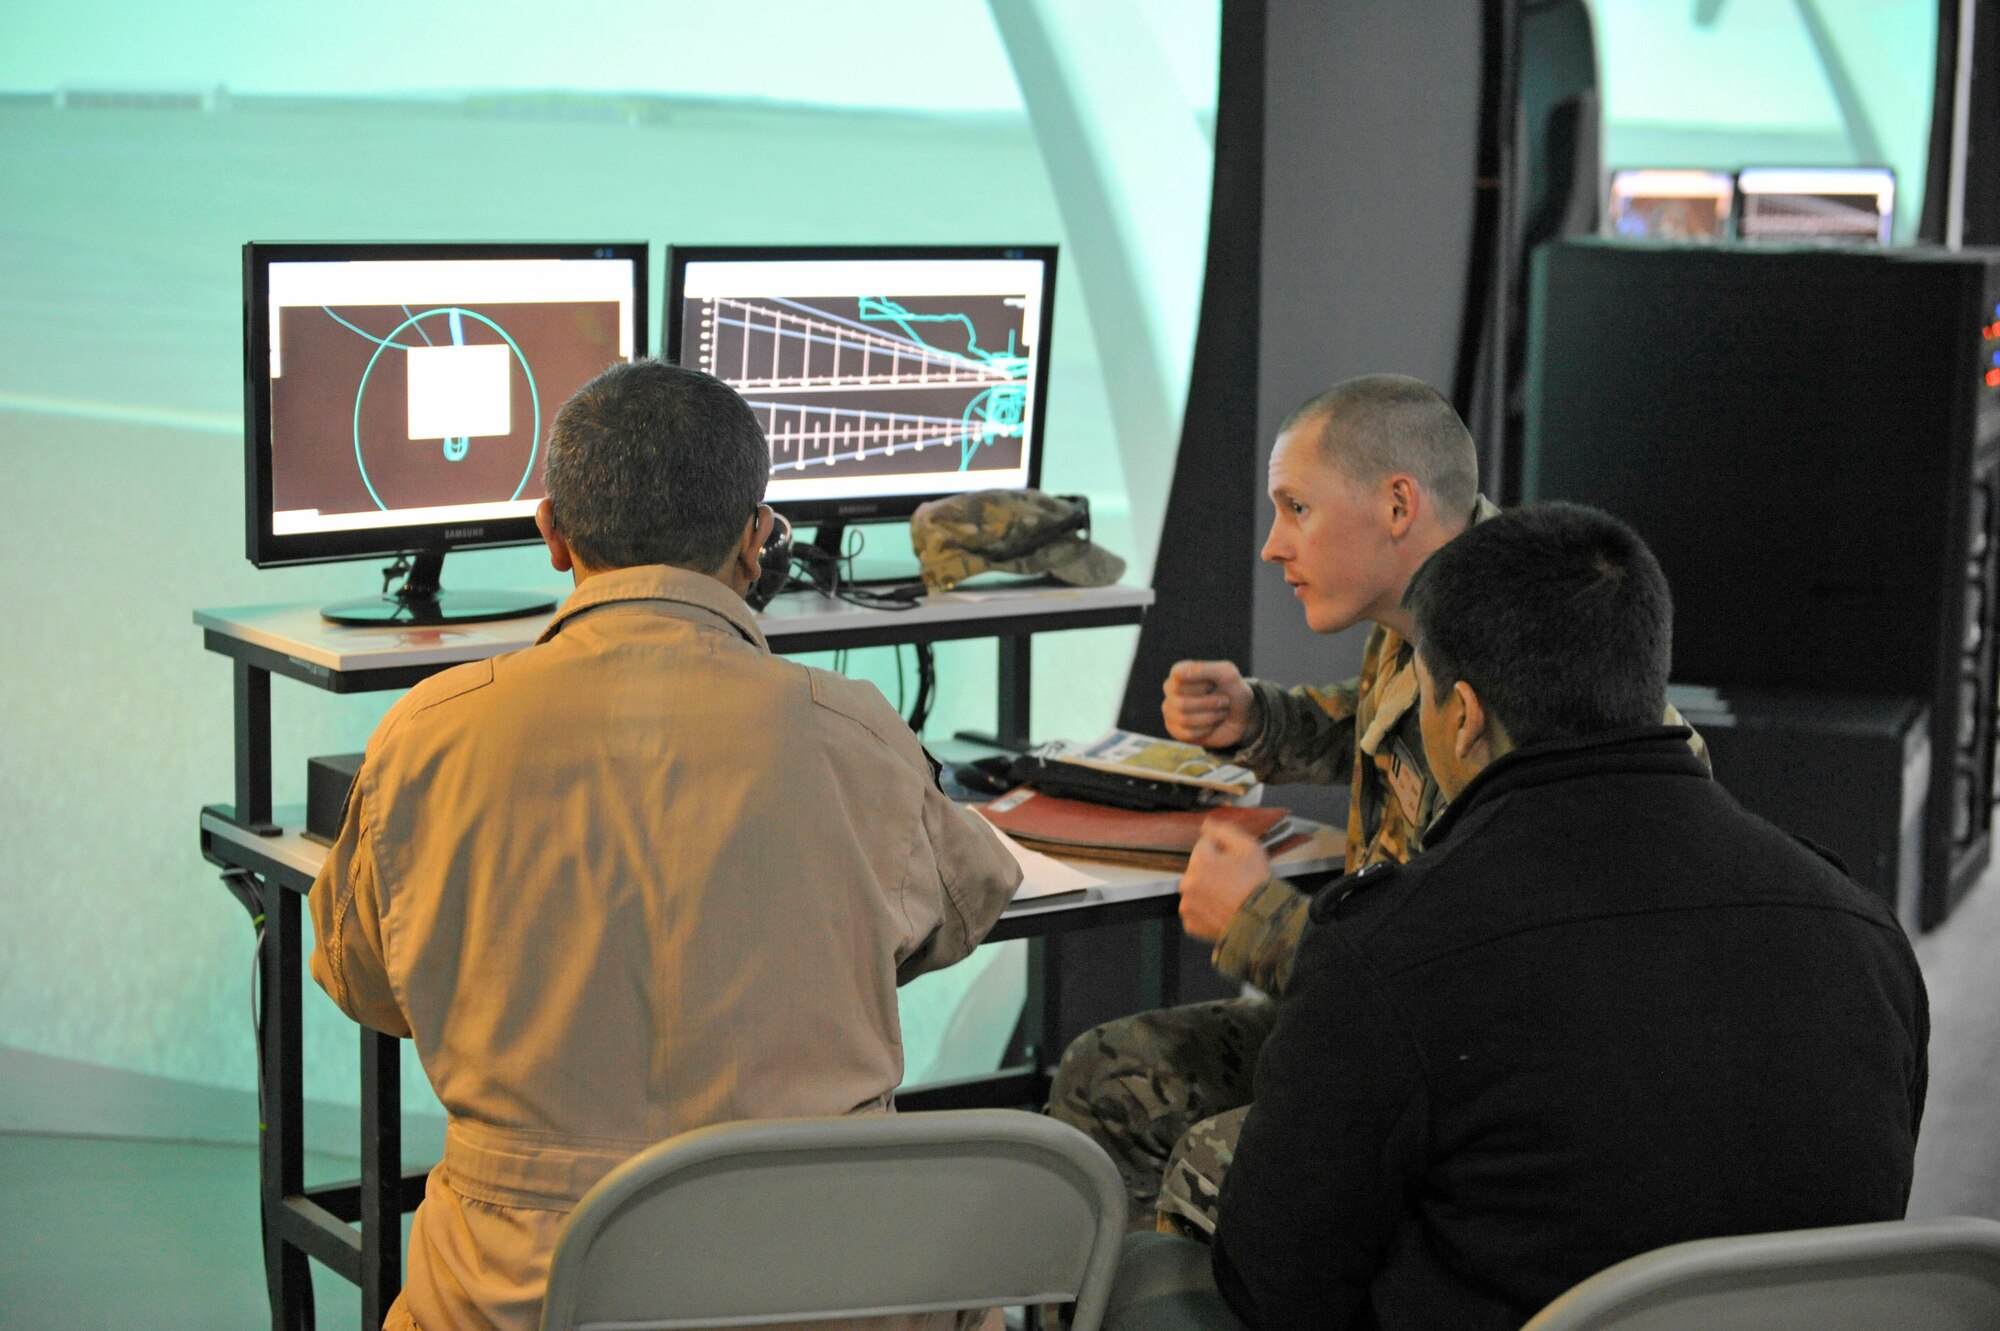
[(643, 875), (1368, 480)]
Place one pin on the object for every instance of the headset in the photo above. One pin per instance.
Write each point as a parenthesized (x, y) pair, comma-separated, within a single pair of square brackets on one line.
[(820, 569), (782, 563), (774, 563)]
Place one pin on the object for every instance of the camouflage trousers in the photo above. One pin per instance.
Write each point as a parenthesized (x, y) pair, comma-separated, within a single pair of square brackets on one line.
[(1164, 1093)]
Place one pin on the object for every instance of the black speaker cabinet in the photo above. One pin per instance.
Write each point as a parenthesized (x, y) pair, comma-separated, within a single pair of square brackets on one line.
[(1809, 439)]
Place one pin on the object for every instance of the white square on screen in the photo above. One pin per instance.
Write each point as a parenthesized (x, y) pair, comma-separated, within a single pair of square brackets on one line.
[(458, 392)]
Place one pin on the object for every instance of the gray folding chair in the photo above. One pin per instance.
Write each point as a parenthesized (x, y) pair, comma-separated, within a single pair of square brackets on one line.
[(866, 1215), (1940, 1275)]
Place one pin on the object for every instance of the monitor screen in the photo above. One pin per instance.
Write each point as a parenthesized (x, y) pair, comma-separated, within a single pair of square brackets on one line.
[(1670, 205), (399, 397), (882, 377), (1850, 204)]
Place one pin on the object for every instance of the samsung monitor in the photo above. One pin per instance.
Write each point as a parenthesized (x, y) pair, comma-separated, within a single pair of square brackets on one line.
[(882, 376), (1853, 205), (398, 399), (1656, 204)]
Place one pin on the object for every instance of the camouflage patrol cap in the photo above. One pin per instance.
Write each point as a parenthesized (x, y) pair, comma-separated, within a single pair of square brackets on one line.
[(1013, 531)]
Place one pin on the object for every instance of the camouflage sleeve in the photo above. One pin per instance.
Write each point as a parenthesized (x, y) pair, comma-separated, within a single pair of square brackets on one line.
[(1258, 946), (1302, 734)]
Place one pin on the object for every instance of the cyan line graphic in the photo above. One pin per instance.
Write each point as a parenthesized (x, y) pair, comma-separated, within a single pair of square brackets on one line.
[(910, 340), (973, 368), (880, 309)]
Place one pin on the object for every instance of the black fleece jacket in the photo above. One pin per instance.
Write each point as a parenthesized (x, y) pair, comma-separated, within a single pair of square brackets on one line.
[(1607, 1010)]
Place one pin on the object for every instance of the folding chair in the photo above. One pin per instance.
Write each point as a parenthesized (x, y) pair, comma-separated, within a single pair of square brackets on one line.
[(865, 1215), (1941, 1275)]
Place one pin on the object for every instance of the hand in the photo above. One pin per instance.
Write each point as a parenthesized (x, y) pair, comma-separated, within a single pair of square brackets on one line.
[(1207, 703), (1228, 865)]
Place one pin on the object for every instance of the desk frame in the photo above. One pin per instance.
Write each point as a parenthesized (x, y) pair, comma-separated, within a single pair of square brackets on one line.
[(301, 1223)]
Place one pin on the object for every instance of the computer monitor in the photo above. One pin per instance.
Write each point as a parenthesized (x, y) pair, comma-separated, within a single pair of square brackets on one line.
[(883, 376), (1853, 205), (398, 399), (1656, 204)]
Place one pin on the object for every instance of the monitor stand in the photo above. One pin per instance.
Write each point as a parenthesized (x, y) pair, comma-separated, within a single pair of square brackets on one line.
[(830, 536), (421, 601)]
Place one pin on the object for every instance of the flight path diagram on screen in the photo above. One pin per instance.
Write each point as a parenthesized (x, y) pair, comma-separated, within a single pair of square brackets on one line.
[(875, 385)]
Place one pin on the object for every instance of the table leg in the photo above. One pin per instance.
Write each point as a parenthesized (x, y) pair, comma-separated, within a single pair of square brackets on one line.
[(1041, 1010), (381, 1175), (1159, 963), (281, 1136), (252, 810), (1016, 673)]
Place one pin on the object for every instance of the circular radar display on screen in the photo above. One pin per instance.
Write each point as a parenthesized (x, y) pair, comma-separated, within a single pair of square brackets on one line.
[(447, 378), (458, 391), (393, 408)]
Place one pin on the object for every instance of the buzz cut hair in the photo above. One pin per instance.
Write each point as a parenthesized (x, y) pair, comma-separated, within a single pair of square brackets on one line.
[(1383, 424), (655, 463), (1556, 614)]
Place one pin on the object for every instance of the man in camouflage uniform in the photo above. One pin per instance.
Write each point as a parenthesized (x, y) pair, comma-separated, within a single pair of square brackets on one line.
[(1369, 479)]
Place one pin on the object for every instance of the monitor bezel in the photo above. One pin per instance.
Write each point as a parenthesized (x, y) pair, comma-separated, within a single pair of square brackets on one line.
[(815, 512), (266, 548), (1886, 217), (1712, 175)]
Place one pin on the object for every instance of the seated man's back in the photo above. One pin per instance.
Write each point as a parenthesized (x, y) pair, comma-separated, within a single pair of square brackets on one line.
[(1606, 1011), (641, 877)]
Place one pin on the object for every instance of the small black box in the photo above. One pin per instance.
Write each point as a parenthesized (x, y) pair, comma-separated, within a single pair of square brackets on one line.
[(328, 779)]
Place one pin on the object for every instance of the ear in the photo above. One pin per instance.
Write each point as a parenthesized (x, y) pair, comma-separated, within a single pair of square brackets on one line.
[(1472, 732), (1405, 500), (750, 550), (559, 552)]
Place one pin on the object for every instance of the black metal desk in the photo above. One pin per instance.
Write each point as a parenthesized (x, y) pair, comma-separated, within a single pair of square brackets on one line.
[(291, 641)]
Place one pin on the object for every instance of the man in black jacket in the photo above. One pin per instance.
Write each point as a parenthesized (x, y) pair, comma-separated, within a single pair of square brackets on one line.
[(1606, 1010)]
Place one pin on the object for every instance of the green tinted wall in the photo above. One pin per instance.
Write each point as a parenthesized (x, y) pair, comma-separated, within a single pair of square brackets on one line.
[(142, 145)]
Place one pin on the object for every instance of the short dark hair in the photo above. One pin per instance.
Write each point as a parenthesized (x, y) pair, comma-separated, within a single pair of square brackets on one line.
[(653, 463), (1556, 614), (1380, 424)]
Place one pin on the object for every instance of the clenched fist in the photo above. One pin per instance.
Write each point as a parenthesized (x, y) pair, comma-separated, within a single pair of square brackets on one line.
[(1227, 865), (1207, 703)]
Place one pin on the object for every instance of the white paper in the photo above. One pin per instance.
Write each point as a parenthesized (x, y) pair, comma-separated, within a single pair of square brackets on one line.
[(1042, 875)]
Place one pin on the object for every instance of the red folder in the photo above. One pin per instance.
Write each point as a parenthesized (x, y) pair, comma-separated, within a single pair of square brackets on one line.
[(1161, 840)]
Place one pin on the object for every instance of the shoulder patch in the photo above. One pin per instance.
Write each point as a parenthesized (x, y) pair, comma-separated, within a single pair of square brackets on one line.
[(1327, 902)]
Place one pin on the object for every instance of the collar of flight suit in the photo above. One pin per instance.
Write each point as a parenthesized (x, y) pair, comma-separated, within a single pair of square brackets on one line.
[(1397, 694), (677, 591)]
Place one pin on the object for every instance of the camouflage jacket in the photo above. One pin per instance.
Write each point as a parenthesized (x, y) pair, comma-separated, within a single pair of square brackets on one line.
[(1365, 732)]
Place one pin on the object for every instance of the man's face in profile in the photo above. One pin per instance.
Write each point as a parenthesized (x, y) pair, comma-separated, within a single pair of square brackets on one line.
[(1328, 534)]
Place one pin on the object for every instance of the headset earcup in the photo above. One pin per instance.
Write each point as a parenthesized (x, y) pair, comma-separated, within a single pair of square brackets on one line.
[(774, 564)]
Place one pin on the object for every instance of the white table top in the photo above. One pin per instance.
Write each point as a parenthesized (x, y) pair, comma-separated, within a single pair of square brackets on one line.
[(1324, 850), (297, 631)]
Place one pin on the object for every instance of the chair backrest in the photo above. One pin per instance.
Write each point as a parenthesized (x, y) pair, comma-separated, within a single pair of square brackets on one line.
[(1942, 1275), (864, 1215)]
